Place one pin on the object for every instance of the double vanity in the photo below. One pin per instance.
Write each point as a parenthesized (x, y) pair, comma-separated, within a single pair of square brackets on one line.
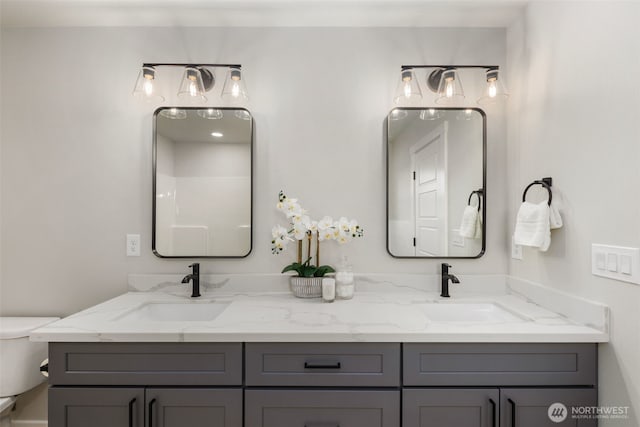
[(248, 353)]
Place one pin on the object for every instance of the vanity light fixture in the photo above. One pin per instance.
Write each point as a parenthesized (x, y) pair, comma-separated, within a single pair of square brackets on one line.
[(217, 134), (445, 81), (197, 79)]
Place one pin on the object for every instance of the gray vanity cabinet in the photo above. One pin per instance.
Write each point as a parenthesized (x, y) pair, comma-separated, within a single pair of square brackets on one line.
[(442, 407), (321, 384), (96, 407)]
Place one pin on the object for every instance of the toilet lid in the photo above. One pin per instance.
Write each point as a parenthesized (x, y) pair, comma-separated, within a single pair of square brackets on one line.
[(19, 327)]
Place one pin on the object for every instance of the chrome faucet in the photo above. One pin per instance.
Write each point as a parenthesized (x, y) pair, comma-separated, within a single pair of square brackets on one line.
[(195, 279), (445, 280)]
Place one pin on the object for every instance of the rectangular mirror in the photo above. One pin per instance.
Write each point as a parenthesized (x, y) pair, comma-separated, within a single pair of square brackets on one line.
[(202, 182), (436, 176)]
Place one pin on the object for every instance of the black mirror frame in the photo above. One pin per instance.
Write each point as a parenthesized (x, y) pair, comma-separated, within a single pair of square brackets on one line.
[(484, 181), (153, 190)]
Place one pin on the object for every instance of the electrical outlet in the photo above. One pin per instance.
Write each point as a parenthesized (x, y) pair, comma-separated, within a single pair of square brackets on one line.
[(616, 262), (516, 250), (133, 245)]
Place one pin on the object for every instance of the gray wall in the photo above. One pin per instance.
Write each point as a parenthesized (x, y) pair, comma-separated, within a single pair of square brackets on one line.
[(76, 147), (574, 115)]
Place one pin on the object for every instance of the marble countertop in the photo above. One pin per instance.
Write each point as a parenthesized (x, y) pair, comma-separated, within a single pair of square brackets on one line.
[(381, 311)]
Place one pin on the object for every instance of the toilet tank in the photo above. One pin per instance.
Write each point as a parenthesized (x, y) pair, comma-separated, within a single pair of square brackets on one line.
[(20, 358)]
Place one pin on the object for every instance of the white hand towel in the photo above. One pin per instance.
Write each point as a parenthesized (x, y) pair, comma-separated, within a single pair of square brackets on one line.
[(469, 222), (555, 220), (478, 234), (532, 226)]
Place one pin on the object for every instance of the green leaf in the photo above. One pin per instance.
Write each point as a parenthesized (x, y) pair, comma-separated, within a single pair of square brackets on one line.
[(323, 269), (293, 267), (308, 271)]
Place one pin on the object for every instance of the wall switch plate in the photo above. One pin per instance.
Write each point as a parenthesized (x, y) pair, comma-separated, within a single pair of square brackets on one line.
[(516, 250), (133, 245), (616, 262)]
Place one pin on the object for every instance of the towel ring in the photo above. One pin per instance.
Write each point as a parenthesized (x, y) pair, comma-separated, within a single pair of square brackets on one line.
[(545, 182), (478, 193)]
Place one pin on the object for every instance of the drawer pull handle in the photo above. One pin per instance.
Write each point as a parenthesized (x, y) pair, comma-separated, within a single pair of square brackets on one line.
[(151, 403), (513, 412), (132, 402), (493, 412), (309, 365), (322, 425)]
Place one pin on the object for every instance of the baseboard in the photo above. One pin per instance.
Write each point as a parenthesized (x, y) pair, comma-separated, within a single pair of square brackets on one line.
[(29, 423)]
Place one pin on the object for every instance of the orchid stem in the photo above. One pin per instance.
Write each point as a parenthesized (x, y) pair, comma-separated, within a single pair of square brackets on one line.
[(317, 249), (299, 251), (309, 244)]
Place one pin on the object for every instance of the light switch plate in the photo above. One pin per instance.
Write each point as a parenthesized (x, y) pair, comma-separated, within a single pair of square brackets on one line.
[(616, 262)]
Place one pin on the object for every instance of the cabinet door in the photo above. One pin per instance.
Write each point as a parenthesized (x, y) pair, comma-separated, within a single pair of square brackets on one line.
[(322, 408), (194, 407), (442, 407), (96, 407), (533, 407)]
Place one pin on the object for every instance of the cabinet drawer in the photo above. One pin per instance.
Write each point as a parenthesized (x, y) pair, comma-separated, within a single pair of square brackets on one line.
[(323, 364), (145, 364), (499, 364), (327, 408)]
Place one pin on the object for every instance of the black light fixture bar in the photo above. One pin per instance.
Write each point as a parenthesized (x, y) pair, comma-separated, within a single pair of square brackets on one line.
[(486, 67), (168, 64)]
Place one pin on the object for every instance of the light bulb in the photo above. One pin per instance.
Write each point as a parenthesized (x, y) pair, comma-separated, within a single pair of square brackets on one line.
[(235, 90), (148, 86), (407, 90), (449, 88), (193, 90), (493, 89)]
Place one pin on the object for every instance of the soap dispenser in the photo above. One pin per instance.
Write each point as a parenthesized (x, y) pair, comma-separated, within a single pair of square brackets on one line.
[(345, 281)]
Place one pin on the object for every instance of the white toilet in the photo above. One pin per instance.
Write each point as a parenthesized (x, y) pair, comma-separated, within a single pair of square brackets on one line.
[(19, 359)]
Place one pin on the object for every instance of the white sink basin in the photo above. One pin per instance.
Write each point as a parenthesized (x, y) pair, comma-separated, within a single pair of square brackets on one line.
[(469, 312), (191, 311)]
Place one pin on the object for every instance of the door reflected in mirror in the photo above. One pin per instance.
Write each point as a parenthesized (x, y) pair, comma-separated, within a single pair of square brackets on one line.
[(202, 185), (436, 167)]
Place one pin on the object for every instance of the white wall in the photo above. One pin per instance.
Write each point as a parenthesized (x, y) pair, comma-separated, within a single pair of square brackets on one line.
[(575, 115), (76, 147)]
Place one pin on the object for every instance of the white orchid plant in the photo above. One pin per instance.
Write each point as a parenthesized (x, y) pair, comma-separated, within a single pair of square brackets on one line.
[(302, 227)]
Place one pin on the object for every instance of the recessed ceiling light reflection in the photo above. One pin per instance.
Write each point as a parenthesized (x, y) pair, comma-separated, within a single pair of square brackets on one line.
[(217, 134)]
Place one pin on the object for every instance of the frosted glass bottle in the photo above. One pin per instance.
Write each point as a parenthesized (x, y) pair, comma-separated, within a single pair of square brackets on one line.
[(345, 280)]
